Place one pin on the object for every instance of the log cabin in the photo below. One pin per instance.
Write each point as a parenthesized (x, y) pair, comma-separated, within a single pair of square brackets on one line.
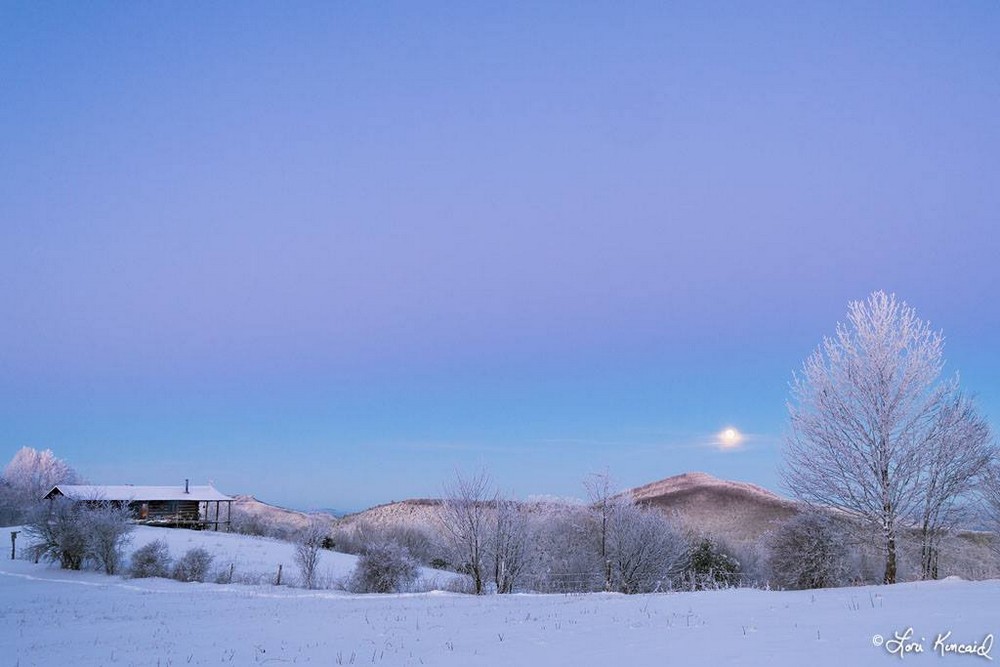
[(176, 506)]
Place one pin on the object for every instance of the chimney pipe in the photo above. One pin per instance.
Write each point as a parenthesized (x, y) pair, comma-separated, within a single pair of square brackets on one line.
[(186, 486)]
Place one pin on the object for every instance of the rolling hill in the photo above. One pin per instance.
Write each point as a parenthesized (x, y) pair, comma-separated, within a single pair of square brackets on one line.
[(734, 511)]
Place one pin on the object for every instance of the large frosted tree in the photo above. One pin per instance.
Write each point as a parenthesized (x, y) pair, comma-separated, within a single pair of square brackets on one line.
[(872, 421), (29, 475)]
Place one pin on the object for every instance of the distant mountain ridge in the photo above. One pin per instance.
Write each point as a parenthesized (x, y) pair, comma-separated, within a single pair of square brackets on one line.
[(736, 511), (696, 501)]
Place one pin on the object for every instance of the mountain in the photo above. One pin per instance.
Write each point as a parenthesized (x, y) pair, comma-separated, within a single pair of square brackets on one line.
[(256, 517), (419, 513), (698, 502)]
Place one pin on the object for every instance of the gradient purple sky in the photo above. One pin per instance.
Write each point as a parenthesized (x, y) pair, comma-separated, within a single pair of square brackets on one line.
[(325, 253)]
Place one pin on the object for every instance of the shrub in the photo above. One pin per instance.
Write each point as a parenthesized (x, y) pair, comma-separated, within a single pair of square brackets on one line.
[(809, 551), (151, 560), (307, 546), (193, 565), (710, 566), (109, 527), (70, 532), (58, 531), (643, 548), (384, 567)]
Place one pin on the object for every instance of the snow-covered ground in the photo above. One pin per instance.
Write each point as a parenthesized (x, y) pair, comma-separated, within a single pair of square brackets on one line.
[(53, 617)]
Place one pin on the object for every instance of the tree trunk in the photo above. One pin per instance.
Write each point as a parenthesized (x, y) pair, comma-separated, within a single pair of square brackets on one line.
[(890, 559)]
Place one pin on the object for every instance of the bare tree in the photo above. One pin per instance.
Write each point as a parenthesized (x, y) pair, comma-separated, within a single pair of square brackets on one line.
[(509, 544), (864, 412), (958, 452), (600, 493), (563, 558), (990, 490), (644, 550), (308, 543), (466, 515)]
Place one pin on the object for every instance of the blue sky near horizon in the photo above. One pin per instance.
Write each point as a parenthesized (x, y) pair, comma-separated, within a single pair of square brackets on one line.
[(325, 253)]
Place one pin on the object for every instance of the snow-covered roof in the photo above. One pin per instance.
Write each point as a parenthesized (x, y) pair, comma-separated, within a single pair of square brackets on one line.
[(136, 493)]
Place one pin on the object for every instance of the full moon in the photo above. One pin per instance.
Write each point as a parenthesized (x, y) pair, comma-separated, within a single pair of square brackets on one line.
[(730, 437)]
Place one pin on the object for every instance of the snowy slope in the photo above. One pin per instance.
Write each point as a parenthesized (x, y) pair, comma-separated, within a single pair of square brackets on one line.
[(53, 617), (253, 559)]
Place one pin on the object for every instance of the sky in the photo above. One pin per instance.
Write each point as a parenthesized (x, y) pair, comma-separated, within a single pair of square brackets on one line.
[(330, 253)]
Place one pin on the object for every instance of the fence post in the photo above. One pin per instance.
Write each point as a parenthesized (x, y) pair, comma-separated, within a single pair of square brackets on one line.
[(13, 539), (278, 580)]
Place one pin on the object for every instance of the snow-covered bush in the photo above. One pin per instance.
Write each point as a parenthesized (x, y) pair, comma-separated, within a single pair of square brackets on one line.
[(644, 550), (307, 547), (193, 565), (384, 567), (109, 527), (426, 546), (809, 551), (70, 532), (564, 558), (151, 560), (58, 533), (246, 523), (710, 565)]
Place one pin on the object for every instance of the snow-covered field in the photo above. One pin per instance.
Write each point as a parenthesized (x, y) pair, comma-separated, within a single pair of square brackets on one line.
[(53, 617)]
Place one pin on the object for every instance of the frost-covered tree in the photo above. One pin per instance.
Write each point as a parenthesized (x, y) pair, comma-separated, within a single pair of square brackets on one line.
[(959, 451), (809, 551), (308, 543), (508, 544), (465, 515), (865, 417), (989, 487), (31, 474), (600, 493), (644, 549), (563, 557)]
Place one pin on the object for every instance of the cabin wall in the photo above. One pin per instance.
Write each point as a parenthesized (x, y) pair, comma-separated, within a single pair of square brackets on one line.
[(166, 510)]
